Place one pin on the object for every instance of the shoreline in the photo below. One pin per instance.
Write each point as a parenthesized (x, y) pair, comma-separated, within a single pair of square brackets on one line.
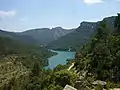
[(60, 57)]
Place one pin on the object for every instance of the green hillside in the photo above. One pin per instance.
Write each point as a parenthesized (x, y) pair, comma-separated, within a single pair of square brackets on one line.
[(96, 64), (100, 59), (17, 63), (21, 38), (45, 35), (28, 54), (80, 35)]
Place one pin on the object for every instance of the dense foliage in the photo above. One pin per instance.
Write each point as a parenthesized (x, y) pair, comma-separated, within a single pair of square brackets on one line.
[(26, 63), (20, 63), (101, 57), (78, 38), (27, 54)]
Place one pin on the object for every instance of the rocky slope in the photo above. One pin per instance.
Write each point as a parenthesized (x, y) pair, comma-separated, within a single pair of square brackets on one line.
[(81, 34), (46, 35)]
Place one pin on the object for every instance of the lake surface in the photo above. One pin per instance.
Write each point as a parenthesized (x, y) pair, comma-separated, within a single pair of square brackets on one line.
[(60, 58)]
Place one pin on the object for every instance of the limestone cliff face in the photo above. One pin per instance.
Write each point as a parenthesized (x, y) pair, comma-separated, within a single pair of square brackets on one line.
[(46, 35), (81, 34)]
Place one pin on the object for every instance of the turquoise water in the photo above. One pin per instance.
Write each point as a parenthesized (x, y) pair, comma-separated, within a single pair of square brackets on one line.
[(60, 58)]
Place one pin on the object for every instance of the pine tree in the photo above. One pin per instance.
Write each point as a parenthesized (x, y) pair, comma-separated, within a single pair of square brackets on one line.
[(117, 23), (36, 69)]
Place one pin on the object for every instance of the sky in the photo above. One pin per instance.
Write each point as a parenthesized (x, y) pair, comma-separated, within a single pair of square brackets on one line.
[(21, 15)]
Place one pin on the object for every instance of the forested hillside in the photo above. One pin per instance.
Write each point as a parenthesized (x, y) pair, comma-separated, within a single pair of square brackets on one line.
[(100, 59), (17, 61), (96, 64), (81, 35), (21, 38), (46, 35), (27, 53)]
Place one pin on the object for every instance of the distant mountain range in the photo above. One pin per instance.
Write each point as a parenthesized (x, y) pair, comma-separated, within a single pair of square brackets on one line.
[(46, 35), (80, 35), (22, 38), (59, 38)]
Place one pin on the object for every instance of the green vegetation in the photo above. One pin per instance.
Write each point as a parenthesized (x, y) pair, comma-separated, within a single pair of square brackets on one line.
[(45, 36), (15, 36), (59, 79), (101, 57), (96, 64), (80, 36), (22, 68), (27, 54), (19, 63)]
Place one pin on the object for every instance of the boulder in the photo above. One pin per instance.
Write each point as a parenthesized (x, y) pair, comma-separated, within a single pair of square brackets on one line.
[(68, 87)]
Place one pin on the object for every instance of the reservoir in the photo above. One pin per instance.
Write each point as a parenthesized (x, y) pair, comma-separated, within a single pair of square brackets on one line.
[(60, 58)]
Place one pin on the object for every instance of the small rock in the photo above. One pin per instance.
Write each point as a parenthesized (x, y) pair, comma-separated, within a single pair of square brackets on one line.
[(99, 82), (67, 87)]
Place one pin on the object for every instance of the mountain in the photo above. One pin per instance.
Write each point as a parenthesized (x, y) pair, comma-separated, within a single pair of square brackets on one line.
[(46, 35), (17, 61), (27, 54), (80, 35), (59, 38), (98, 62), (22, 38)]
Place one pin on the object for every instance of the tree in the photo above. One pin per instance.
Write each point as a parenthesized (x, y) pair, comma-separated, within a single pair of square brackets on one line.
[(36, 69), (11, 85), (59, 67), (117, 23), (102, 32)]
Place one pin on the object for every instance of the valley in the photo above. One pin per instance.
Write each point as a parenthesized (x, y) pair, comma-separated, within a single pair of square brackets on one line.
[(50, 59), (57, 37)]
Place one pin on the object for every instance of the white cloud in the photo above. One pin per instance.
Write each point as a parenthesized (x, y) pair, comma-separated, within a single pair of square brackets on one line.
[(92, 1), (4, 14)]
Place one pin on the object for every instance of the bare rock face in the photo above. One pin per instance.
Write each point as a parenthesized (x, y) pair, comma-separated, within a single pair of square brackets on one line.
[(81, 34), (67, 87), (46, 35)]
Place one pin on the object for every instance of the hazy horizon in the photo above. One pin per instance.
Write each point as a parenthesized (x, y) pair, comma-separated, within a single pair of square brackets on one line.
[(25, 14)]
